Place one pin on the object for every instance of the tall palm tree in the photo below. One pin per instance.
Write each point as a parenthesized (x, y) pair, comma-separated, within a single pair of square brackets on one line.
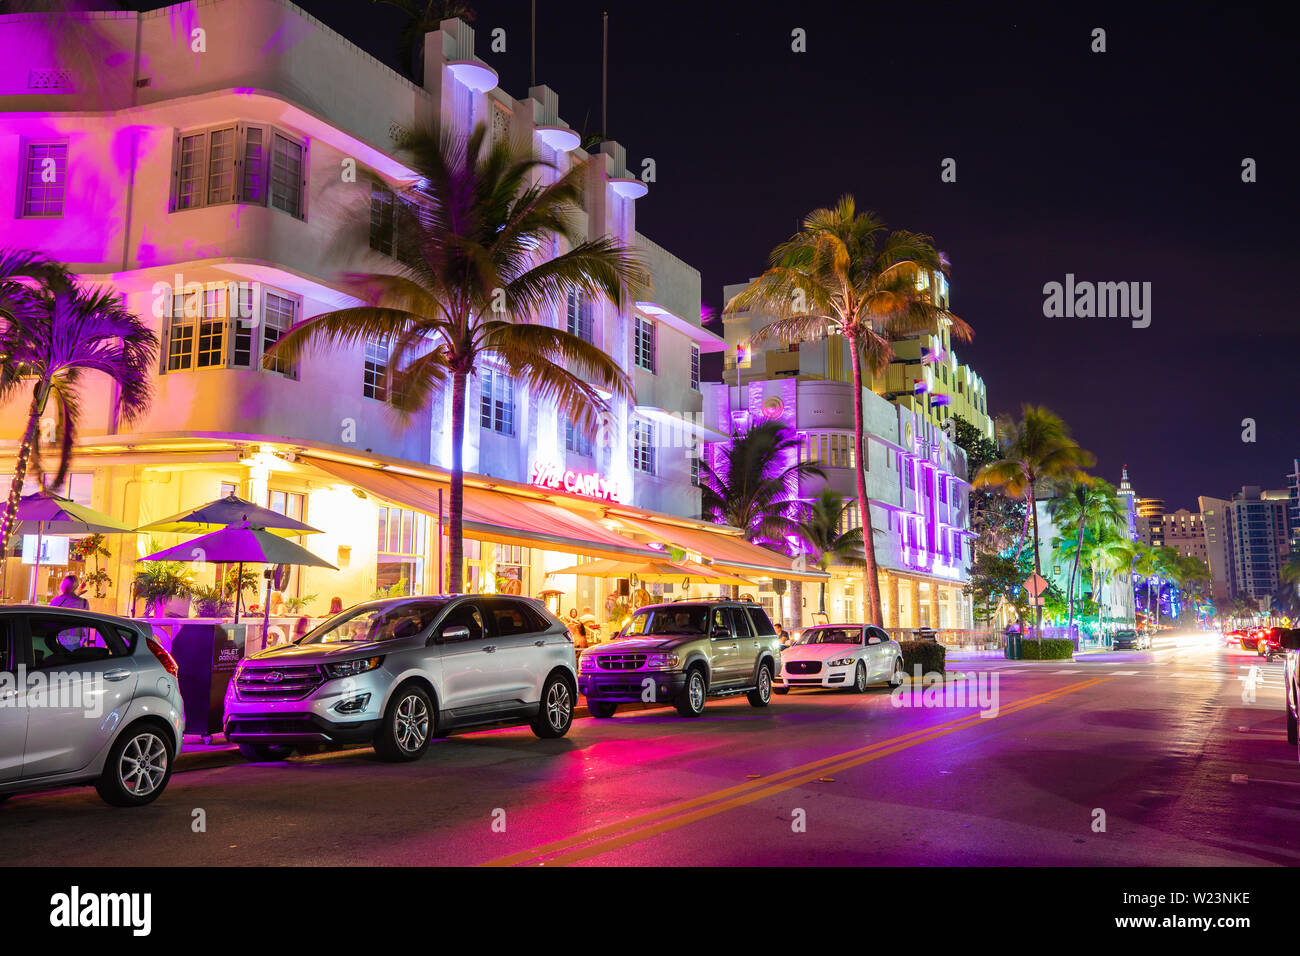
[(67, 331), (1087, 504), (756, 486), (821, 532), (844, 273), (1112, 553), (471, 238), (1037, 450)]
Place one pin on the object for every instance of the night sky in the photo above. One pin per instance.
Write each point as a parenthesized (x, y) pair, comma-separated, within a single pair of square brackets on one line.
[(1115, 166)]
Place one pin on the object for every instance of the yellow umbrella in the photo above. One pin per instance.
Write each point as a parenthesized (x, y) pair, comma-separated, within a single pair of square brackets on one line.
[(652, 570)]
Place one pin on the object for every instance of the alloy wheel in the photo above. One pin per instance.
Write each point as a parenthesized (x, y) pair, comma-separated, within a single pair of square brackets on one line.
[(696, 691), (764, 683), (143, 766), (559, 706), (412, 723)]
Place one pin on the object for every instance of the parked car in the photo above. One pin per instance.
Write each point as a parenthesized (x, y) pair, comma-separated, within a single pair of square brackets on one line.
[(1131, 641), (1269, 643), (683, 653), (398, 672), (842, 656), (98, 702), (1290, 640)]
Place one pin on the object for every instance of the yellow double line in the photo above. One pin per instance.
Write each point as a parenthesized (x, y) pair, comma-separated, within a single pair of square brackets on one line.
[(603, 839)]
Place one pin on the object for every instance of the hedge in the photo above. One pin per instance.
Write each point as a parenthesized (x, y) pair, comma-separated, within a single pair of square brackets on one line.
[(1048, 649), (930, 655)]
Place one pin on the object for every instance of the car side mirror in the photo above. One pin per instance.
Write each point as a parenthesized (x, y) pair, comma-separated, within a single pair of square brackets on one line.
[(873, 640), (1291, 638), (449, 635)]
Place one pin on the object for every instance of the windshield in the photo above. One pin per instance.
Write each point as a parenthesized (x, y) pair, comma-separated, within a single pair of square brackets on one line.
[(832, 635), (668, 620), (384, 622)]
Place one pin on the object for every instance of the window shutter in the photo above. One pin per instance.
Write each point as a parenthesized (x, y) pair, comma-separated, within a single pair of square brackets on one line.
[(164, 338), (176, 177), (302, 181)]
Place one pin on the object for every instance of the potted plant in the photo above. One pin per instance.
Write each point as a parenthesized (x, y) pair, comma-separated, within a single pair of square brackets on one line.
[(166, 587), (210, 600), (294, 605)]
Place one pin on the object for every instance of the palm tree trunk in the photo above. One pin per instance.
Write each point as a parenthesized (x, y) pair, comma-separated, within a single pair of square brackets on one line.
[(456, 500), (821, 601), (1038, 566), (871, 592), (796, 604), (39, 397), (1074, 571)]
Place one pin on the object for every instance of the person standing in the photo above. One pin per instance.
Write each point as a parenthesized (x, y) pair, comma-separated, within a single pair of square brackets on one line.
[(68, 596)]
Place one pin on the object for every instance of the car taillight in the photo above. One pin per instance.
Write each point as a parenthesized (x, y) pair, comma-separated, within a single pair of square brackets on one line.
[(166, 660)]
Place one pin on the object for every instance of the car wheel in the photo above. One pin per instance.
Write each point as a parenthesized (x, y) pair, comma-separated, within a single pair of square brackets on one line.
[(601, 708), (262, 753), (1292, 731), (138, 767), (555, 711), (896, 676), (691, 701), (761, 695), (860, 678), (408, 725)]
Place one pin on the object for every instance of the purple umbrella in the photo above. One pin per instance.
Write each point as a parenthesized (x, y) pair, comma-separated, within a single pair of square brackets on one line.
[(230, 510), (53, 514), (242, 543)]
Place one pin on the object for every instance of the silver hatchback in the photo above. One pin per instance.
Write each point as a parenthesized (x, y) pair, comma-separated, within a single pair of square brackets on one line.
[(86, 698), (396, 673)]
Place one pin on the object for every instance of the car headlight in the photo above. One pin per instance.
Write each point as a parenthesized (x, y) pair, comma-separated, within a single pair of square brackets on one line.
[(353, 668), (587, 662), (841, 662), (661, 662)]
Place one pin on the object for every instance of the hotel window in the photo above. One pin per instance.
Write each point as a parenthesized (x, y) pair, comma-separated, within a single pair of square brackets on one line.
[(277, 316), (695, 465), (45, 181), (578, 319), (242, 325), (576, 439), (643, 446), (695, 367), (645, 344), (400, 558), (197, 330), (497, 402), (375, 379), (239, 163)]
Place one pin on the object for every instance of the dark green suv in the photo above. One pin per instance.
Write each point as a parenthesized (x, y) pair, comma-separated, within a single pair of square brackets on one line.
[(683, 653)]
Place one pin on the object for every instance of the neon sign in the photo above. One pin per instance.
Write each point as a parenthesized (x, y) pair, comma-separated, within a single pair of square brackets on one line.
[(588, 484)]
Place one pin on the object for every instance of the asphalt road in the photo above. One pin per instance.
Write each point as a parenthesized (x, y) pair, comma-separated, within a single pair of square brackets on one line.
[(1122, 758)]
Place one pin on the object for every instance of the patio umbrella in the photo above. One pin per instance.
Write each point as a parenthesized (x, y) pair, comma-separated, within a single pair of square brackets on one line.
[(242, 544), (230, 510), (651, 570), (49, 513)]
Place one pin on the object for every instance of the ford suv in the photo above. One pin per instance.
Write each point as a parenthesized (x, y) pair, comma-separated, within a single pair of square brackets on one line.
[(398, 672), (682, 653)]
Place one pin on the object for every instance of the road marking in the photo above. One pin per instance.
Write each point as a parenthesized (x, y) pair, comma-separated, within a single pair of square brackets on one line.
[(645, 825), (1243, 778), (1122, 673), (1074, 671)]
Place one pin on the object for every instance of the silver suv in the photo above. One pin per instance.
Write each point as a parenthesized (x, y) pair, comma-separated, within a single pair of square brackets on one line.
[(401, 671), (86, 698)]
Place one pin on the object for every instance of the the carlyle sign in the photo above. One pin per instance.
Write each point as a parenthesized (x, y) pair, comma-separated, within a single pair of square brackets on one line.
[(589, 484)]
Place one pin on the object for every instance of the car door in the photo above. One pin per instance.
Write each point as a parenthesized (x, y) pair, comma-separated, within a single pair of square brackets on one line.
[(521, 641), (82, 680), (742, 668), (879, 655), (722, 645), (471, 669), (13, 716)]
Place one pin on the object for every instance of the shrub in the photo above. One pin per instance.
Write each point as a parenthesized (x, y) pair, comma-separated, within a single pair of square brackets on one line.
[(931, 655), (1048, 649)]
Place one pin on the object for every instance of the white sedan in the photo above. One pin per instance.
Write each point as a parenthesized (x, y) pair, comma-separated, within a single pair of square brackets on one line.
[(841, 655)]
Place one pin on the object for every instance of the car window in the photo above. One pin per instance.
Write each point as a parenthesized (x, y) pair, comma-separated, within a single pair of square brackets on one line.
[(7, 662), (874, 631), (760, 622), (385, 622), (689, 619), (514, 617), (832, 635), (721, 620), (466, 614), (739, 622), (65, 641)]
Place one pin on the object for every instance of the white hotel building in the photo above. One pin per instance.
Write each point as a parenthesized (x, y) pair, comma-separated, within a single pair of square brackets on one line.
[(227, 165)]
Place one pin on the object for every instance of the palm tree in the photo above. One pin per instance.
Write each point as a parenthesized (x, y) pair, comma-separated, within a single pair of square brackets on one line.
[(66, 331), (1087, 504), (1038, 449), (756, 487), (469, 243), (820, 529), (423, 16), (1112, 552), (846, 274)]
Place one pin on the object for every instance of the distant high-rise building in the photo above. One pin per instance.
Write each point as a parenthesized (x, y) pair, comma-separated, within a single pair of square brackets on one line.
[(1258, 541), (1293, 510), (1128, 497), (1184, 531), (1150, 526), (1214, 521)]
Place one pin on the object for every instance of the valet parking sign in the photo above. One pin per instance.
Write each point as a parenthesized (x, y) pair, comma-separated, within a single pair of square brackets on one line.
[(588, 484)]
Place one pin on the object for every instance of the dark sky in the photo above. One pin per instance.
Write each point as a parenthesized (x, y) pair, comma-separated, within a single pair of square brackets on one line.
[(1118, 166)]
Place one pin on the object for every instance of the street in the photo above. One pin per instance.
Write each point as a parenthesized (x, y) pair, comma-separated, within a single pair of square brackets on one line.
[(1121, 758)]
